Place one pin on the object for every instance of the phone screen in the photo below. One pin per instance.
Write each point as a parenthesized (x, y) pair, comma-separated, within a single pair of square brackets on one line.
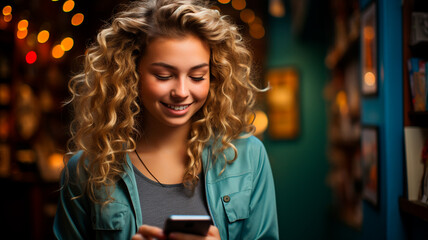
[(191, 224)]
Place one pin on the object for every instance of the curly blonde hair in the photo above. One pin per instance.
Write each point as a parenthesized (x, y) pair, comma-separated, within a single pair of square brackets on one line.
[(105, 94)]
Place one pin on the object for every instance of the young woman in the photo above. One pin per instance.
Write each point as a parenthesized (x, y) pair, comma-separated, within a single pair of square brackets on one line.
[(162, 126)]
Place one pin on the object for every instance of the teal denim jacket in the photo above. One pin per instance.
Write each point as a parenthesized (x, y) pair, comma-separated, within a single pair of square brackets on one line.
[(241, 200)]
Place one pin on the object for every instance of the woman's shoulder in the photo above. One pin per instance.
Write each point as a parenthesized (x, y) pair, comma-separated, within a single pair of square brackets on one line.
[(73, 164), (250, 143)]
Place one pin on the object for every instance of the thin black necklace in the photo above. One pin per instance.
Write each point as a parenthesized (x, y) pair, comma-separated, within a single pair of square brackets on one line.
[(147, 168)]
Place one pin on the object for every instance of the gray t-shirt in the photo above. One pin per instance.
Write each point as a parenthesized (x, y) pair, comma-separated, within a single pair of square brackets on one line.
[(158, 203)]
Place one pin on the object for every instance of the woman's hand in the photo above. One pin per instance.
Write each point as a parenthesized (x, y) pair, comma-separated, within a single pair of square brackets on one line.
[(213, 234), (146, 232)]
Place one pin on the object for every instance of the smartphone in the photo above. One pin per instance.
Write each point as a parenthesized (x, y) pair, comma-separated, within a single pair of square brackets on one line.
[(191, 224)]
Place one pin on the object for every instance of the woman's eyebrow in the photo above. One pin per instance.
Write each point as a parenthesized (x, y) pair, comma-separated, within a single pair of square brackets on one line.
[(165, 65)]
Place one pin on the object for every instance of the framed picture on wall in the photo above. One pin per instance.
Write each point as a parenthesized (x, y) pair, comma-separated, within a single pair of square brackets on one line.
[(368, 33), (370, 163), (283, 103)]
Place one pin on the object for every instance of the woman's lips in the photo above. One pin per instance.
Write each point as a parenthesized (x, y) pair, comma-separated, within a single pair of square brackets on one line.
[(175, 107)]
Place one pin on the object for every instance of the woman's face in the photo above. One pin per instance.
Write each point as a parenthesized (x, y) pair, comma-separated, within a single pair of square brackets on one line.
[(174, 79)]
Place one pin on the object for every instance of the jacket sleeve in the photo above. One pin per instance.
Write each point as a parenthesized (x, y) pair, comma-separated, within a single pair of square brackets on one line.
[(72, 219), (262, 222)]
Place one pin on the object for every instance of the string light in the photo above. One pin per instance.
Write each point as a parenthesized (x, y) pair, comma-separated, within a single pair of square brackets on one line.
[(43, 36), (7, 18), (247, 15), (77, 19), (7, 10), (57, 51), (67, 43), (31, 57), (68, 6), (21, 34), (238, 4), (23, 25)]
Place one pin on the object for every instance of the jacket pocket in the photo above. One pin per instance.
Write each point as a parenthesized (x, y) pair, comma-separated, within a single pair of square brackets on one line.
[(237, 205), (110, 217)]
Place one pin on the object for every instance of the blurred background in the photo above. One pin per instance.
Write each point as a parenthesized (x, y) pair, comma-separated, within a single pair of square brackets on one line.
[(342, 96)]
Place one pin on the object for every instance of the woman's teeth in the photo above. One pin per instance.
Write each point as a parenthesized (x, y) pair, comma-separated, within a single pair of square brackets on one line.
[(178, 108)]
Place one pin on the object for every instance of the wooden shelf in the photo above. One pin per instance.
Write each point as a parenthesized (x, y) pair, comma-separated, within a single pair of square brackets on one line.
[(414, 208)]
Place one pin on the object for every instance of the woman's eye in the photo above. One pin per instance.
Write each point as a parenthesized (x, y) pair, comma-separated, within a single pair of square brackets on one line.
[(162, 77), (197, 78)]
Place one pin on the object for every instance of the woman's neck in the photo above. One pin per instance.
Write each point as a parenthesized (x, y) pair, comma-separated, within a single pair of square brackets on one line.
[(158, 137)]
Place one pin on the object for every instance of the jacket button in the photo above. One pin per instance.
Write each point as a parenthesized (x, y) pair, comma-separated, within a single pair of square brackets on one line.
[(226, 199)]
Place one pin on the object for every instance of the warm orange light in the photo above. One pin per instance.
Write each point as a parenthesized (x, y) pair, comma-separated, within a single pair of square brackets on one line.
[(31, 57), (276, 8), (67, 43), (77, 19), (369, 33), (57, 51), (43, 36), (224, 1), (4, 94), (56, 161), (342, 102), (257, 30), (7, 18), (54, 0), (260, 122), (369, 79), (23, 25), (7, 10), (247, 15), (68, 6), (22, 34), (238, 4)]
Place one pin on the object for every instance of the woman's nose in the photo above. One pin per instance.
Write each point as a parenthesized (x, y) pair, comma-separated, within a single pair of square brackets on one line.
[(180, 89)]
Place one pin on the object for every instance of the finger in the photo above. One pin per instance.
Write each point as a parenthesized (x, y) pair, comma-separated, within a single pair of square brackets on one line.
[(137, 237), (180, 236), (213, 232), (151, 232)]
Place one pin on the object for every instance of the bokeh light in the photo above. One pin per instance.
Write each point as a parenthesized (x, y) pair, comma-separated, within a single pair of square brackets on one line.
[(7, 18), (257, 30), (21, 34), (369, 32), (57, 51), (68, 6), (276, 8), (239, 4), (224, 1), (31, 57), (247, 15), (22, 25), (260, 122), (77, 19), (43, 36), (7, 10), (56, 160), (369, 79), (67, 43)]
